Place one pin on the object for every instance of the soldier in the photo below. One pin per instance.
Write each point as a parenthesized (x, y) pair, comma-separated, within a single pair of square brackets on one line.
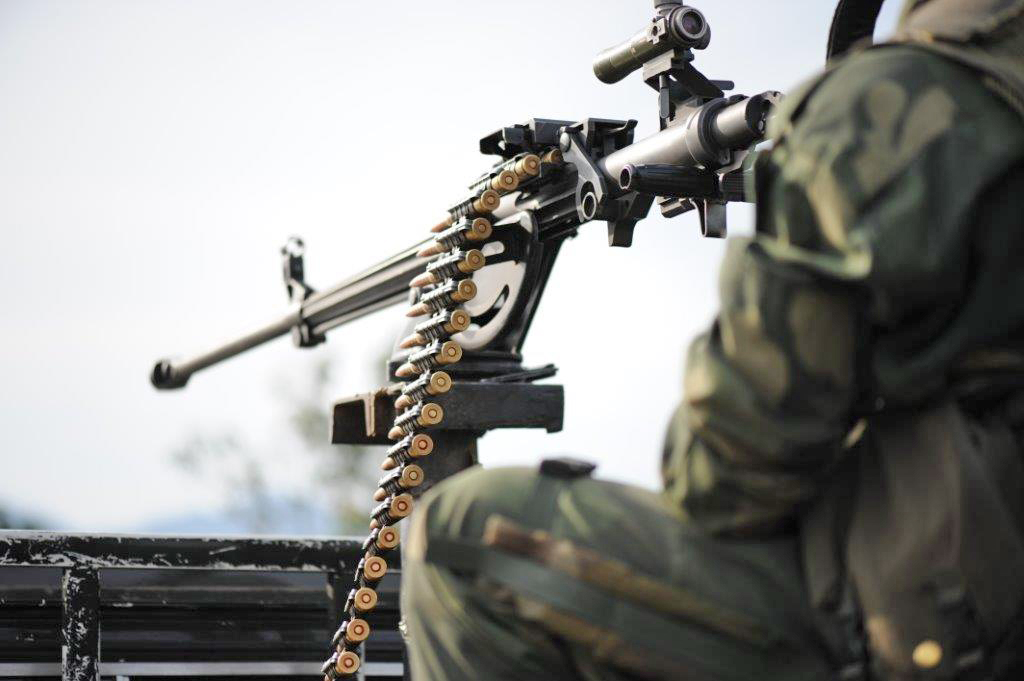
[(844, 486)]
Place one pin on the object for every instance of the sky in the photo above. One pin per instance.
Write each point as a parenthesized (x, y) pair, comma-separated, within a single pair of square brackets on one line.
[(155, 155)]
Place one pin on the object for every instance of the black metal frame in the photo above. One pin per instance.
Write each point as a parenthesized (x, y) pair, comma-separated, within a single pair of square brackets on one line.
[(81, 557)]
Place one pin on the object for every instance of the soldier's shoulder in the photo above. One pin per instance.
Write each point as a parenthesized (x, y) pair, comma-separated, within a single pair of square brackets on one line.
[(919, 73), (886, 115), (896, 89)]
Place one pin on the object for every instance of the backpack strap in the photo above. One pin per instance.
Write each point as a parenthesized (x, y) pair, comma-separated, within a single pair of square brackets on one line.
[(852, 23)]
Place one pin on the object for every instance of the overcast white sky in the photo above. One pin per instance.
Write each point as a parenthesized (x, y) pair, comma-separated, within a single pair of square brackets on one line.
[(154, 156)]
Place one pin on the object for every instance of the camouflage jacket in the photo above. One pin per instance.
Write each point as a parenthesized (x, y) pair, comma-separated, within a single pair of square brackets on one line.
[(885, 270)]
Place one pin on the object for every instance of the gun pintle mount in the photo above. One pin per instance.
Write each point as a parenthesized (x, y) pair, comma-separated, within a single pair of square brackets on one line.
[(457, 365)]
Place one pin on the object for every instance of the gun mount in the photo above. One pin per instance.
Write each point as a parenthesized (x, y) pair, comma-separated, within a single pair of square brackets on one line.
[(473, 287)]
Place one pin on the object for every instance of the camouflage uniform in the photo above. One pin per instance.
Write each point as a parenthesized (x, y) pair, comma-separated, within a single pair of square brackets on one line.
[(849, 449)]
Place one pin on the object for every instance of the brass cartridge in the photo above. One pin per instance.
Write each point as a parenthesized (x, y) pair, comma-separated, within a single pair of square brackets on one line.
[(380, 540), (422, 415), (372, 569), (405, 478), (454, 264), (356, 631), (504, 182), (484, 204), (526, 166), (390, 511), (361, 600), (433, 384), (440, 326), (434, 355), (347, 663), (464, 231), (387, 539), (450, 292), (407, 449), (552, 156)]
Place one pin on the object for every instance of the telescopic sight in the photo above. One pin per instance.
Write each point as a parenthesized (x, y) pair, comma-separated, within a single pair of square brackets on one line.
[(692, 23), (689, 27), (678, 26)]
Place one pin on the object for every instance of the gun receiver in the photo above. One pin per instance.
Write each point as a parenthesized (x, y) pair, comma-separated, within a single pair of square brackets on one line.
[(553, 177)]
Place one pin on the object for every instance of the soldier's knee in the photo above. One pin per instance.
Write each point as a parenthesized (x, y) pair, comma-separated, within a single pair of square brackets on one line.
[(457, 509), (461, 505)]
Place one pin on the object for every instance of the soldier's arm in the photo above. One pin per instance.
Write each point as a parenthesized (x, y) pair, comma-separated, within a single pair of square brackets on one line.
[(846, 298)]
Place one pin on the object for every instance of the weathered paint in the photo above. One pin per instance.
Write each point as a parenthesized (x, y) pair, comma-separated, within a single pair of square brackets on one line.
[(218, 553)]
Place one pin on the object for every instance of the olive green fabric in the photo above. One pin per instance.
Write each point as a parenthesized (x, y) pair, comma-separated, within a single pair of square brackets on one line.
[(986, 35), (886, 277), (963, 21), (736, 611), (934, 547), (881, 264)]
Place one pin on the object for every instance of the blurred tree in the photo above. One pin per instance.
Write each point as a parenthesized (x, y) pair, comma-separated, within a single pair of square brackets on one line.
[(346, 474), (12, 520), (343, 477)]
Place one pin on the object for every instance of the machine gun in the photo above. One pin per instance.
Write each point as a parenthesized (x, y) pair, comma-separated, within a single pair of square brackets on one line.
[(473, 286)]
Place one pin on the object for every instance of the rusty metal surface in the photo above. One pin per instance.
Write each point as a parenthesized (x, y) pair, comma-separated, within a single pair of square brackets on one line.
[(82, 606), (80, 625), (54, 549)]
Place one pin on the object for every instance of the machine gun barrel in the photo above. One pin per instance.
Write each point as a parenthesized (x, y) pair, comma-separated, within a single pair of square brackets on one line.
[(380, 286), (703, 140), (170, 374), (706, 140)]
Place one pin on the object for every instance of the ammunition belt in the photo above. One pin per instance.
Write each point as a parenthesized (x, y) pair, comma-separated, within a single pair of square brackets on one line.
[(430, 350), (445, 284)]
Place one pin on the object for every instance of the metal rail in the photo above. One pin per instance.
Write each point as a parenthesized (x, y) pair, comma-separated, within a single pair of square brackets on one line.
[(20, 670), (53, 549), (84, 558)]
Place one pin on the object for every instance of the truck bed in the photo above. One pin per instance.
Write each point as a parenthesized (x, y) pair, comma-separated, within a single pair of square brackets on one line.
[(183, 607)]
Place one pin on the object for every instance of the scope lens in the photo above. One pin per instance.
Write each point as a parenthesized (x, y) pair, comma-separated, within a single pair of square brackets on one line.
[(692, 24)]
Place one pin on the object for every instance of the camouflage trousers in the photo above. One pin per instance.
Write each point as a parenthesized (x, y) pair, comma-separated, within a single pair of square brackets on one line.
[(514, 574)]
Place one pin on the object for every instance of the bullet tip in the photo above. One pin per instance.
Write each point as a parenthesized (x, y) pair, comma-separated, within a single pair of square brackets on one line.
[(411, 341), (422, 280)]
